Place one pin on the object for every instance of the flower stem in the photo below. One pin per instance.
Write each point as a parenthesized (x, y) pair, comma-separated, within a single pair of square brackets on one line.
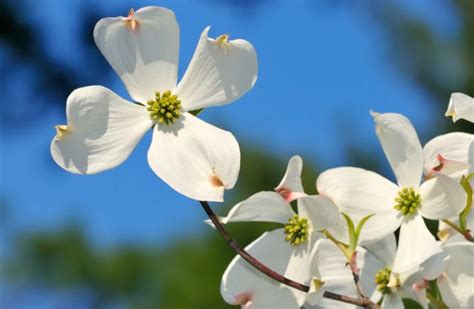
[(367, 303), (466, 233)]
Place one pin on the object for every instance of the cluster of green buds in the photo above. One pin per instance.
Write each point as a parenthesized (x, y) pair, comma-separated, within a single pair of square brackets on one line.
[(296, 230), (165, 109), (382, 278), (408, 201)]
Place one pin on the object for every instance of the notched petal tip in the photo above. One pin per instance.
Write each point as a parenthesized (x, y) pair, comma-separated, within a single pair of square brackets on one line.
[(216, 181), (316, 285), (222, 41), (61, 131), (244, 299), (130, 21), (374, 114)]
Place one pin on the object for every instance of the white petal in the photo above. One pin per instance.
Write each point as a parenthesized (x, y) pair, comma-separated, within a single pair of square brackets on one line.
[(392, 301), (290, 186), (219, 73), (240, 277), (359, 193), (401, 146), (369, 266), (102, 131), (442, 197), (320, 210), (299, 266), (330, 265), (461, 106), (457, 283), (456, 151), (384, 249), (262, 206), (315, 297), (434, 265), (143, 49), (415, 245), (195, 158)]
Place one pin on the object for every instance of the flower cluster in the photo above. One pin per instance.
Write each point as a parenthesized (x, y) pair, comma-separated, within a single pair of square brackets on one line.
[(339, 245)]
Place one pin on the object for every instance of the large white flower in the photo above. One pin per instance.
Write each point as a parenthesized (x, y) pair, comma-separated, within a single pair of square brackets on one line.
[(285, 250), (457, 281), (193, 157), (461, 106), (359, 193)]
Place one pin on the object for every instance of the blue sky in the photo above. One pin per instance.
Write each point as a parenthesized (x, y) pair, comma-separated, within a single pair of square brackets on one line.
[(321, 69)]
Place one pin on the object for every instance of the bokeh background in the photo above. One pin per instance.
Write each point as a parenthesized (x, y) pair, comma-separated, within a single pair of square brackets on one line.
[(123, 238)]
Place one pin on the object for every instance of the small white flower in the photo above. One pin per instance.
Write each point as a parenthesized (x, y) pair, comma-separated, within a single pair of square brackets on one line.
[(360, 192), (377, 279), (286, 250), (461, 106), (193, 157)]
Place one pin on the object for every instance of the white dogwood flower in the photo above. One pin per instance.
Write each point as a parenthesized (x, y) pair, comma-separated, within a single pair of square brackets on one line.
[(286, 250), (359, 192), (461, 106), (192, 156), (377, 279)]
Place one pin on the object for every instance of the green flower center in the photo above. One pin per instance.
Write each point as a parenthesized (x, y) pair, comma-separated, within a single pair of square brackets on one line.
[(296, 230), (408, 201), (382, 278), (165, 109)]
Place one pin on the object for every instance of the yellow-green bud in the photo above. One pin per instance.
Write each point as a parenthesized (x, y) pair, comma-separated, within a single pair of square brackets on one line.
[(382, 278)]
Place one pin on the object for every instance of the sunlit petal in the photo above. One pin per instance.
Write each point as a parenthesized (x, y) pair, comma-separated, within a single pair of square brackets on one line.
[(461, 106), (401, 146), (441, 198), (262, 206), (220, 72), (195, 158), (102, 131), (320, 210), (415, 245), (359, 193), (143, 49), (451, 154), (290, 186)]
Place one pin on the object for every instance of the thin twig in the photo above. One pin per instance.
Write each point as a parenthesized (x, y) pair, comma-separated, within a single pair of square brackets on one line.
[(367, 303), (355, 274)]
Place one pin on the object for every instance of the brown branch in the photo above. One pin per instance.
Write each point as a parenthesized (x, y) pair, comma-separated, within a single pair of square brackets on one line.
[(367, 303)]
